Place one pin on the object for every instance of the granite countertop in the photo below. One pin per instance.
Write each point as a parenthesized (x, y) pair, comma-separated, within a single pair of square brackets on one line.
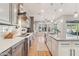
[(7, 43)]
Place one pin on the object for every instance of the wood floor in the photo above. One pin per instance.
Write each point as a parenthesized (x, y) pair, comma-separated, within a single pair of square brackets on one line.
[(34, 51)]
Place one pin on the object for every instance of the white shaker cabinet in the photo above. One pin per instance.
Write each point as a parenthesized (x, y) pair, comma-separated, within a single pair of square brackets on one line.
[(64, 49), (69, 48), (75, 48), (4, 13)]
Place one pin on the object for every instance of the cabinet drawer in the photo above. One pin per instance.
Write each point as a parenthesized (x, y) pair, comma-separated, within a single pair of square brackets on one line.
[(76, 43), (64, 43)]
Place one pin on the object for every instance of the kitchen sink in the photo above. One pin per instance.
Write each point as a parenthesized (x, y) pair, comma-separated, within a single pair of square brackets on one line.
[(24, 35)]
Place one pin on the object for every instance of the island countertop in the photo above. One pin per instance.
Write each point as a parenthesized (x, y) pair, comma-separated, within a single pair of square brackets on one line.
[(62, 39)]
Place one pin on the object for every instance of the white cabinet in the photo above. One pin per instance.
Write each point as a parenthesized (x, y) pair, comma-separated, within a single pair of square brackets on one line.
[(8, 13), (76, 51), (18, 49), (75, 48), (64, 49), (4, 13), (14, 13), (70, 48)]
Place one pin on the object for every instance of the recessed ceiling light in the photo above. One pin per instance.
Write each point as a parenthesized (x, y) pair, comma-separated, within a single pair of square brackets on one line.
[(42, 11), (61, 20), (60, 10), (75, 15)]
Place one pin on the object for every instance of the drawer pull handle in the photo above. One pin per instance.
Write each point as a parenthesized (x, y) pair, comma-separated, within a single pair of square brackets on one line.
[(76, 44), (64, 44)]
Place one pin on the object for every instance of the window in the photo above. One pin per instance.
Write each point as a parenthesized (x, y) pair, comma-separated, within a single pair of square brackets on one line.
[(72, 31)]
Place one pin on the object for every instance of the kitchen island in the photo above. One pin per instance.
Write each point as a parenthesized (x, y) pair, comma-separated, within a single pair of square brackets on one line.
[(6, 44), (62, 47)]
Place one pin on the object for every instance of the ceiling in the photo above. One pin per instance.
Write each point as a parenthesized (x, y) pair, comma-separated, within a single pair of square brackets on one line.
[(50, 11)]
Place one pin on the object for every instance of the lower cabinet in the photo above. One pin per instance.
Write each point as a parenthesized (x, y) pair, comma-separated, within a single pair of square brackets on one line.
[(18, 49), (75, 49), (8, 52), (64, 49), (68, 48)]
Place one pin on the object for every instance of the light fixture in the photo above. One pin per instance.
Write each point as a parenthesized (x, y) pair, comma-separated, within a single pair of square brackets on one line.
[(42, 11), (60, 10), (61, 20), (51, 20), (75, 14)]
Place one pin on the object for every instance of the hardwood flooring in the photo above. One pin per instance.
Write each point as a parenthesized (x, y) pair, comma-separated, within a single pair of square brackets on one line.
[(42, 51)]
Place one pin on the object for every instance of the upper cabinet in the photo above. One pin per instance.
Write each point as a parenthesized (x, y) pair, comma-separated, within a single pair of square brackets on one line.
[(8, 13), (13, 13), (4, 13)]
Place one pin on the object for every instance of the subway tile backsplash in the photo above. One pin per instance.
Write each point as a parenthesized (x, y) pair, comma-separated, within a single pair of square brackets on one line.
[(4, 28)]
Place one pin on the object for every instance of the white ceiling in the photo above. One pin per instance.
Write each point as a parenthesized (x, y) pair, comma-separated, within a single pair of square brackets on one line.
[(50, 9)]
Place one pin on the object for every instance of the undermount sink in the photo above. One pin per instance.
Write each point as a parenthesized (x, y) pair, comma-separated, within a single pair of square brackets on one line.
[(24, 35)]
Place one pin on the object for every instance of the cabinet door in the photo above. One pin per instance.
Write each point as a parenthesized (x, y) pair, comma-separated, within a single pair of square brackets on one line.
[(76, 49), (64, 49), (14, 14), (4, 13), (18, 50)]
